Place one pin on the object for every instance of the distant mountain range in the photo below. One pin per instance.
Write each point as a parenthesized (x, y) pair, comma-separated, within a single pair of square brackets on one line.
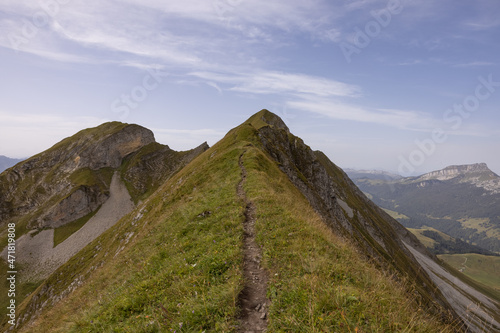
[(462, 201), (372, 174), (7, 162)]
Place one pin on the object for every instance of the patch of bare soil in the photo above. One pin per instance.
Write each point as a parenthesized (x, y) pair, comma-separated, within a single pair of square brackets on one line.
[(252, 299)]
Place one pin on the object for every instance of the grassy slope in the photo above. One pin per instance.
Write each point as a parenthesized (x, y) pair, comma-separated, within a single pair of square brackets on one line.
[(426, 241), (483, 269), (177, 268), (393, 214), (182, 272)]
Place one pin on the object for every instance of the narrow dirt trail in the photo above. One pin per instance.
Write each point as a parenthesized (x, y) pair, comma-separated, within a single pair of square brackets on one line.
[(252, 299)]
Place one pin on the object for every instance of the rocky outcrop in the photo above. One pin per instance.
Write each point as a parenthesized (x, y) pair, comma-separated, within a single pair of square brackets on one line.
[(151, 166), (453, 171), (111, 150), (71, 179), (81, 202), (51, 186), (477, 174)]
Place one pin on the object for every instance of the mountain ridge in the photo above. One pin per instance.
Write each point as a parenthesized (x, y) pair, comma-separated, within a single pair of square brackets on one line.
[(461, 201), (7, 162), (333, 257)]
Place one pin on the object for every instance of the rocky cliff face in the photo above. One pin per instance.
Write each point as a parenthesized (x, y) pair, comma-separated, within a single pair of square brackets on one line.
[(72, 179), (69, 180), (151, 166), (459, 170), (477, 174)]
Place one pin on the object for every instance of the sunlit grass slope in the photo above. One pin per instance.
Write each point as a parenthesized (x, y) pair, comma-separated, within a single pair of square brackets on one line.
[(175, 264), (483, 269)]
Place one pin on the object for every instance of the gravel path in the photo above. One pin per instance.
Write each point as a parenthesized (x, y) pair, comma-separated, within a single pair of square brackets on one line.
[(38, 258), (461, 297)]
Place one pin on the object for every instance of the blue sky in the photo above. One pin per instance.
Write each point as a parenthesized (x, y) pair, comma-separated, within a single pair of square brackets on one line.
[(402, 85)]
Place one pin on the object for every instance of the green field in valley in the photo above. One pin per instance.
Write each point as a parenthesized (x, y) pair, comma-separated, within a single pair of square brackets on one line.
[(483, 269)]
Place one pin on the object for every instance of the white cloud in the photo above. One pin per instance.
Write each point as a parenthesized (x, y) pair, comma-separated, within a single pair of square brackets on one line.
[(191, 33), (403, 119), (271, 82)]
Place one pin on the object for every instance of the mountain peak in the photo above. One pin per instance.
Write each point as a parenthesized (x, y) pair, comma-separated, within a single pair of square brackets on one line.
[(453, 171), (476, 167), (265, 118), (259, 183)]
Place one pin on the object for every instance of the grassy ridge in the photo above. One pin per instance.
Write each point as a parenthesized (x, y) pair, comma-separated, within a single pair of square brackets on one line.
[(169, 267), (318, 282)]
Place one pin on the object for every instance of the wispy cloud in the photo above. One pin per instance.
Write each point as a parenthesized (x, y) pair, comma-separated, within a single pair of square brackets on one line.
[(178, 33), (403, 119), (271, 82), (328, 98), (475, 64)]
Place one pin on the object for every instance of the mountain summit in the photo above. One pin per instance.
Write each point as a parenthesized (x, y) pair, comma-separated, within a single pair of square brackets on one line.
[(479, 172), (257, 233), (62, 199)]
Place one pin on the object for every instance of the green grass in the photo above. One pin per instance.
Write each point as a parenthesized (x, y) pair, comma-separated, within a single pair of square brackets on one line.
[(178, 269), (63, 232), (87, 177), (426, 241), (23, 289), (395, 215), (257, 119), (318, 282), (163, 268), (481, 268)]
